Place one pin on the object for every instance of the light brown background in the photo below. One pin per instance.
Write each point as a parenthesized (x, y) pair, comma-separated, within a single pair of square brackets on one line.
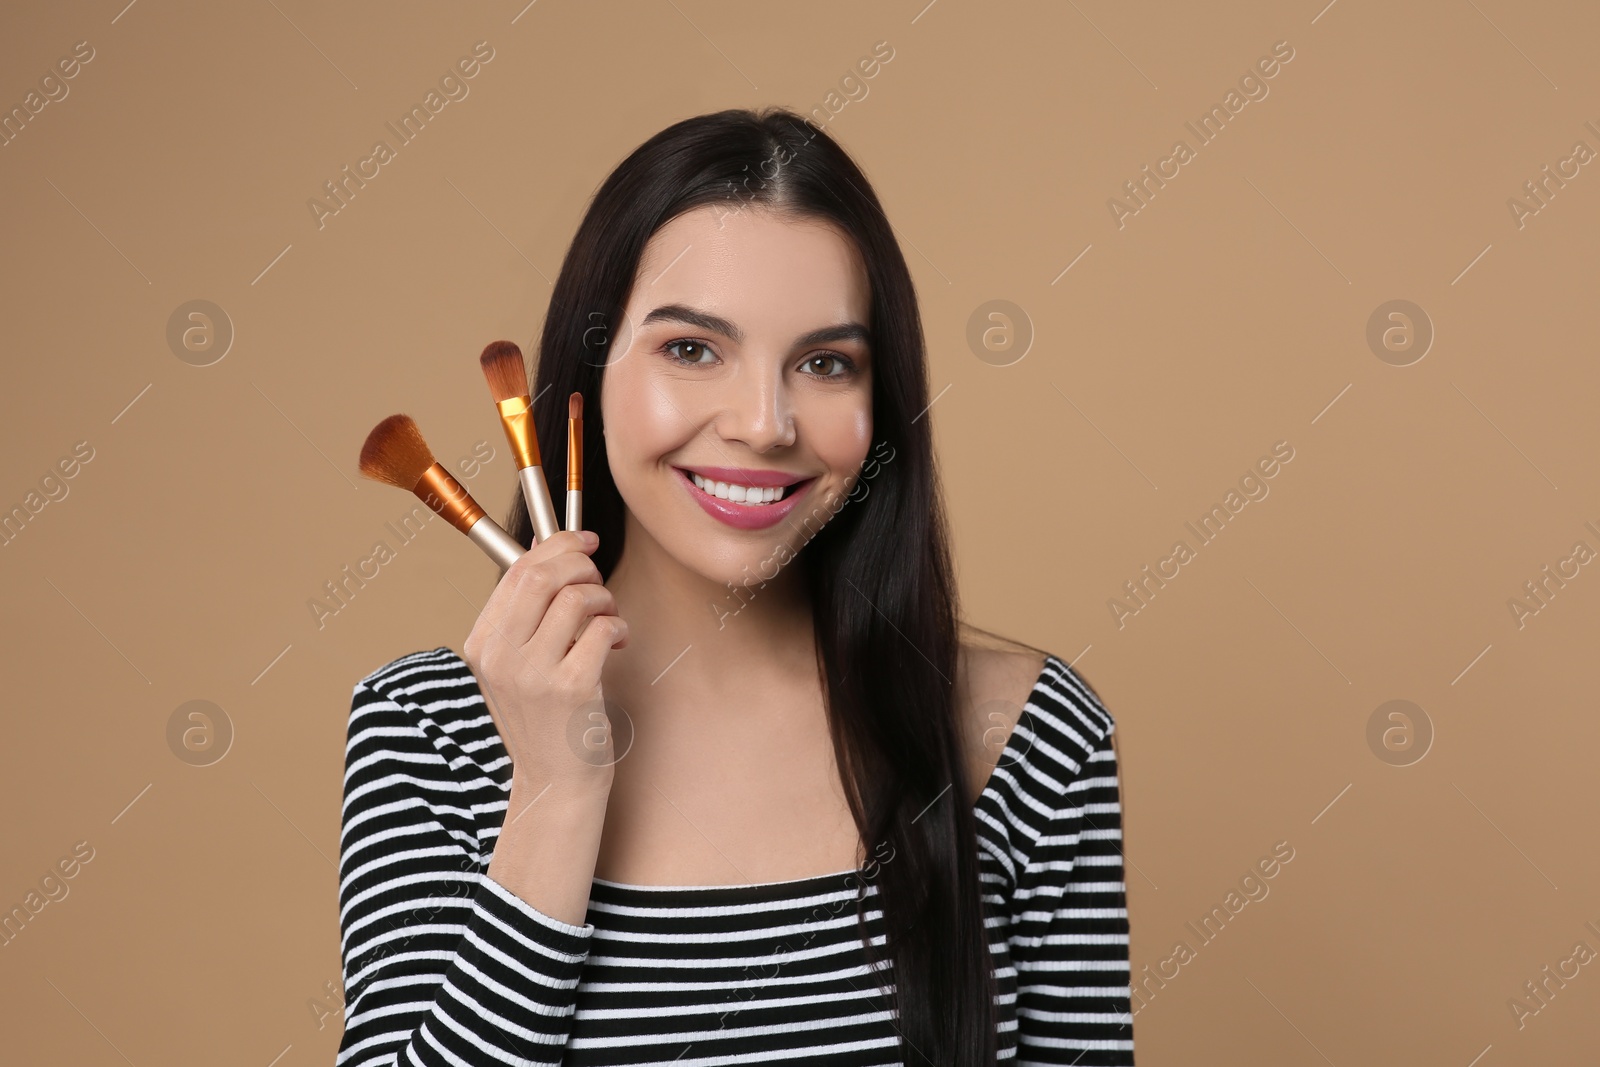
[(1228, 315)]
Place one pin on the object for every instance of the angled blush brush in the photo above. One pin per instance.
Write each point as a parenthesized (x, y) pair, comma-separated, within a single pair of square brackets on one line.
[(396, 453), (575, 461), (508, 384)]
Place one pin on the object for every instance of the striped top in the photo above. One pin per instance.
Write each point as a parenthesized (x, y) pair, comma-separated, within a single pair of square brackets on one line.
[(443, 965)]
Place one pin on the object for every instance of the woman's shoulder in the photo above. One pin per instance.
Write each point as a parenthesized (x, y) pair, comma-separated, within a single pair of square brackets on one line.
[(1058, 761), (434, 688), (426, 704), (1065, 695), (1033, 720), (1000, 675), (417, 673)]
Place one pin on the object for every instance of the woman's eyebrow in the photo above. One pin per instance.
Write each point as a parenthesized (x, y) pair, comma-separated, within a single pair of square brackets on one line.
[(844, 331), (693, 317), (682, 313)]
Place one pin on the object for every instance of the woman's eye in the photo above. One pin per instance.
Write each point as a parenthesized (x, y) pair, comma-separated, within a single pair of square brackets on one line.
[(822, 361), (692, 351)]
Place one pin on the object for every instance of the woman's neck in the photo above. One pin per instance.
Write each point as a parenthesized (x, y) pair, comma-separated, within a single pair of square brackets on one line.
[(689, 635)]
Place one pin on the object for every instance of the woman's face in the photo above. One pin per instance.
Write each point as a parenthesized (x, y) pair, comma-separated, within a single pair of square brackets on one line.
[(743, 358)]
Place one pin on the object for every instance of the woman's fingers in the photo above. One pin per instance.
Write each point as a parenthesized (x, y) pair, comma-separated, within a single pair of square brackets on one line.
[(588, 654), (534, 676), (568, 611), (525, 592)]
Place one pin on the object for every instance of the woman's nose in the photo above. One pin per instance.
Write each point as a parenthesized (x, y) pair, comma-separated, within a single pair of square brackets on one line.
[(758, 411)]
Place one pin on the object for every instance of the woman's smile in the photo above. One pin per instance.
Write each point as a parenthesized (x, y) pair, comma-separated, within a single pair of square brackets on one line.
[(759, 500)]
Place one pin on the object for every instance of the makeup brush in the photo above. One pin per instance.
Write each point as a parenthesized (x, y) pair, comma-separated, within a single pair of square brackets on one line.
[(508, 384), (575, 461), (396, 453)]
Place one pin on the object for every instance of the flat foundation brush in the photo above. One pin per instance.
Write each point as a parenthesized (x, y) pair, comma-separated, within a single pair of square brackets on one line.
[(508, 384), (396, 453)]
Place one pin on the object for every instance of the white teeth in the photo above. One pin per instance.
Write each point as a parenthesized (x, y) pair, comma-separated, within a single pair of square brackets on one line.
[(739, 494)]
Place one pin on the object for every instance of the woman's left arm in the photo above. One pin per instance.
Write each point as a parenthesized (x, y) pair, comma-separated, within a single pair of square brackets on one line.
[(1069, 934)]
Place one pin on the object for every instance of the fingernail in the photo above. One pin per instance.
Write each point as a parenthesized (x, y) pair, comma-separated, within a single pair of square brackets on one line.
[(591, 538)]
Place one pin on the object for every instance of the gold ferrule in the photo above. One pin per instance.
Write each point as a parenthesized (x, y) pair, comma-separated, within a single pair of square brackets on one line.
[(516, 415), (437, 489), (574, 453)]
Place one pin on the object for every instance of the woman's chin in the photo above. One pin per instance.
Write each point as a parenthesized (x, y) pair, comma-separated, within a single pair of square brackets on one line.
[(741, 566)]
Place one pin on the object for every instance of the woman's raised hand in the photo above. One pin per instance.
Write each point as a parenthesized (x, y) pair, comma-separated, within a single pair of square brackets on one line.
[(538, 649)]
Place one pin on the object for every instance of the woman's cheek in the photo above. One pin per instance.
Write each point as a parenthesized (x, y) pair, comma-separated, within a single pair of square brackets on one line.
[(843, 441), (652, 411)]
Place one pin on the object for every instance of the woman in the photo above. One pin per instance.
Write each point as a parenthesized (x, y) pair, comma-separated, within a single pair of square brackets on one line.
[(783, 812)]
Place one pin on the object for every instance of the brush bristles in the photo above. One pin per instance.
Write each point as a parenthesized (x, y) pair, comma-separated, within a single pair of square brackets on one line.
[(575, 406), (503, 368), (396, 453)]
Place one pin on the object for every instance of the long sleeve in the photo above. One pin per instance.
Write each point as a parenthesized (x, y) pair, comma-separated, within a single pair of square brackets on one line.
[(442, 965), (1069, 928)]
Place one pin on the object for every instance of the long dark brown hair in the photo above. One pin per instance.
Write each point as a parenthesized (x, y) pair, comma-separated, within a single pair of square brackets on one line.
[(882, 592)]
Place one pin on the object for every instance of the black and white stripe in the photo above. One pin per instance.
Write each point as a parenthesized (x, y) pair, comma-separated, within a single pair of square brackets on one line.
[(443, 965)]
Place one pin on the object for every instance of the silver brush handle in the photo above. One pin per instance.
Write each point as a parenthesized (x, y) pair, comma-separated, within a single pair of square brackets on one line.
[(574, 509), (495, 542), (540, 509)]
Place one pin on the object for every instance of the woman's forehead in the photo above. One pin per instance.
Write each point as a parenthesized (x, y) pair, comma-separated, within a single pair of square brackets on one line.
[(772, 270)]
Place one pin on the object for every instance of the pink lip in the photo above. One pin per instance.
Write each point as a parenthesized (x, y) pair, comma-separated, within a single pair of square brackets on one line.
[(761, 479), (744, 516)]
